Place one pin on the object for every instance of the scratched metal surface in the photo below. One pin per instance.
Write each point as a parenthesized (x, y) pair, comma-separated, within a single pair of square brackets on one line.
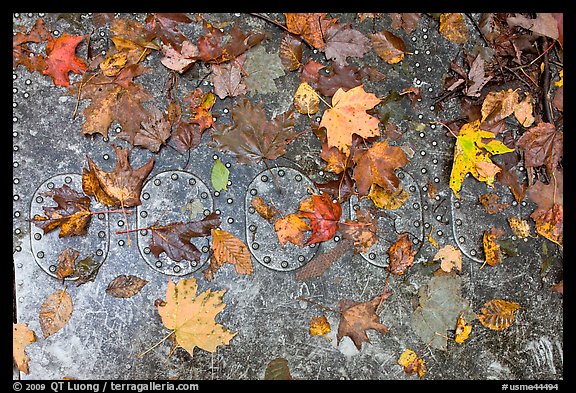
[(106, 335)]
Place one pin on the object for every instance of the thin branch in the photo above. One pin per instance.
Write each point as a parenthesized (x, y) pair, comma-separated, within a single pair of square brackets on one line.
[(318, 304), (276, 23)]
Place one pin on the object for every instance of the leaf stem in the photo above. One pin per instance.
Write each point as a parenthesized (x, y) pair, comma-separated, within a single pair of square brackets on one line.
[(140, 356), (318, 304), (132, 230)]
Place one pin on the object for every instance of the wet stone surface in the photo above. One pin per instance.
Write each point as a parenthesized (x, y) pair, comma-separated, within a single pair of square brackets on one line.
[(105, 335)]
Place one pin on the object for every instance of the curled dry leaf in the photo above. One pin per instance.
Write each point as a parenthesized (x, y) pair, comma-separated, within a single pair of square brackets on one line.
[(498, 314), (462, 331), (542, 145), (66, 263), (412, 363), (491, 203), (227, 248), (358, 317), (388, 47), (401, 255), (319, 326), (192, 316), (310, 26), (363, 231), (125, 286), (290, 52), (492, 251), (520, 227), (21, 338), (263, 209), (55, 312)]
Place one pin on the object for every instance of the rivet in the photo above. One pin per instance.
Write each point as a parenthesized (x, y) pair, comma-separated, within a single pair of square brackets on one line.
[(14, 90), (120, 242), (37, 236), (523, 203), (39, 199), (416, 223), (425, 207), (230, 220), (14, 119), (439, 218), (101, 216), (264, 178), (68, 180), (423, 170), (225, 110), (437, 197), (147, 250), (227, 165), (298, 177), (439, 233), (457, 205), (425, 36), (120, 223), (229, 183), (206, 212), (18, 248), (174, 176), (14, 104), (229, 201), (40, 254), (55, 32), (520, 168), (50, 185), (420, 116), (101, 234), (16, 181), (513, 237), (192, 181), (429, 69), (176, 269), (472, 252), (15, 134), (416, 206), (252, 228), (458, 221), (415, 241), (205, 249), (430, 89), (417, 64), (434, 143), (514, 203), (416, 51), (215, 156), (400, 175), (16, 148), (372, 256), (158, 264), (52, 268), (253, 192), (106, 157), (99, 252), (412, 189), (427, 51), (434, 161), (336, 238), (424, 188), (16, 197), (461, 239), (281, 173), (255, 246), (267, 259), (301, 258), (413, 38), (422, 135), (143, 214), (204, 195), (423, 153), (284, 264), (157, 182), (433, 126), (426, 225), (251, 210), (216, 193), (217, 211), (28, 81)]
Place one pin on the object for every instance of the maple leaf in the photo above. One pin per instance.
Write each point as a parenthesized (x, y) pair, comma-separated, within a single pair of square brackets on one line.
[(153, 132), (290, 52), (179, 61), (72, 213), (342, 41), (217, 47), (125, 286), (337, 77), (453, 28), (324, 216), (450, 258), (192, 317), (542, 145), (291, 229), (262, 68), (471, 149), (363, 231), (21, 54), (388, 46), (377, 165), (188, 134), (407, 21), (252, 137), (310, 26), (21, 338), (61, 58), (348, 116), (401, 255), (498, 314), (114, 99), (174, 238), (122, 186), (544, 24), (55, 312), (164, 25), (227, 248), (358, 317), (227, 78), (133, 38)]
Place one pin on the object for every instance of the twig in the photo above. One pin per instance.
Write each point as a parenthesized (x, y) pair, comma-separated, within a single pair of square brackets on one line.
[(318, 304), (385, 292), (282, 27), (546, 85)]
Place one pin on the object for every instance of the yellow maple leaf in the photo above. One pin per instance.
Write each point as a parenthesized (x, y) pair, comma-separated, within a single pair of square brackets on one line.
[(291, 229), (472, 155), (348, 116), (192, 317)]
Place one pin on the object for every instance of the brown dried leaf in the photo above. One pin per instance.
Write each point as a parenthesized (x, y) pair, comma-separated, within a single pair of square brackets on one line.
[(549, 223), (453, 28), (66, 263), (263, 209), (388, 46), (407, 21), (322, 261), (491, 203), (55, 312), (343, 41), (450, 258), (290, 52), (21, 338), (154, 131), (227, 78), (311, 26), (401, 255), (363, 231), (498, 314), (227, 248), (520, 227), (125, 286), (492, 251), (542, 145), (358, 317)]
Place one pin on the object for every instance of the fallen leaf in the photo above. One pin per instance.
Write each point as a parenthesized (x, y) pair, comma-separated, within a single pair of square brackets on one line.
[(311, 26), (252, 137), (520, 227), (219, 176), (291, 228), (192, 317), (549, 223), (523, 112), (179, 60), (363, 231), (119, 188), (113, 63), (165, 27), (133, 38), (319, 326), (492, 252), (263, 209), (216, 47), (66, 263), (401, 255), (491, 203), (188, 134), (544, 24), (71, 214), (306, 99), (323, 214), (336, 161), (477, 78), (498, 105), (542, 145), (348, 116), (377, 165), (412, 363), (558, 287), (385, 199), (153, 132), (343, 41), (337, 77), (322, 261), (125, 286), (227, 248), (453, 28), (407, 21), (440, 303), (22, 54), (469, 150), (463, 330), (86, 270), (55, 312), (358, 317), (290, 52), (450, 258), (278, 370), (21, 338), (61, 58), (227, 78), (261, 69), (498, 314), (175, 238), (388, 46)]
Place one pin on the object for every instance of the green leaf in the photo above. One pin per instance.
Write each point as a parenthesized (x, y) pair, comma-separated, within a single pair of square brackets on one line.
[(220, 176)]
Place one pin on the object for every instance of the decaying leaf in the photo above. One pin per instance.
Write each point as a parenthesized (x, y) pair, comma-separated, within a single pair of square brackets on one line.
[(23, 54), (311, 26), (291, 228), (61, 58), (343, 41), (319, 326), (21, 338), (549, 223), (262, 68), (363, 231), (520, 227), (323, 214), (412, 363), (263, 209), (401, 255), (153, 132), (72, 213), (498, 314), (278, 370), (348, 116), (471, 148), (306, 99), (192, 316), (86, 270), (544, 24), (227, 248), (55, 312), (453, 27), (227, 78), (122, 186), (358, 317), (492, 252), (450, 258), (217, 47), (385, 199), (462, 331), (558, 287), (324, 260), (290, 52), (388, 46), (440, 305), (542, 145), (491, 203), (125, 286), (66, 263), (179, 60)]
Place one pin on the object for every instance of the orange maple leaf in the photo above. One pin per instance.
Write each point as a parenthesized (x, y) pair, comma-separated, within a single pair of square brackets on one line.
[(62, 58), (348, 116)]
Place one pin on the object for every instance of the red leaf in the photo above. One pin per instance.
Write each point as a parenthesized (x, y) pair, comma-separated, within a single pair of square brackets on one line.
[(323, 215), (62, 58)]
